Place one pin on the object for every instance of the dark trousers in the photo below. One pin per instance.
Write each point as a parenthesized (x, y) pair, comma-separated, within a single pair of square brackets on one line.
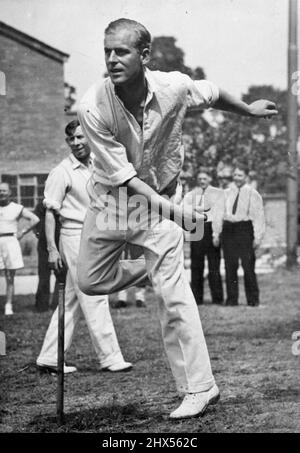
[(200, 250), (42, 297), (237, 242)]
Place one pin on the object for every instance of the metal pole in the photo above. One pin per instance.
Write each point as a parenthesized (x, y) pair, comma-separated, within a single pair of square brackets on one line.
[(60, 353), (292, 178)]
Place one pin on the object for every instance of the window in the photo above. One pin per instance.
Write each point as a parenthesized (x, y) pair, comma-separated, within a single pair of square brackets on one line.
[(26, 189), (27, 185)]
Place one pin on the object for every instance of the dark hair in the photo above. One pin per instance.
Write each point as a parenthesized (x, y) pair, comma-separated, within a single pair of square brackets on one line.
[(70, 127), (242, 167), (143, 36)]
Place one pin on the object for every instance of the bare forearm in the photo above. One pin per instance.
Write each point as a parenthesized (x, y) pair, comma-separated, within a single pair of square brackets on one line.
[(261, 108), (185, 216), (32, 219), (50, 230), (158, 203), (32, 224), (230, 103)]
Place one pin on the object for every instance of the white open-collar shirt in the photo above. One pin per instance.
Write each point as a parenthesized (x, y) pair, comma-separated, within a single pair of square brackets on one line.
[(213, 199), (154, 152), (66, 191), (249, 207)]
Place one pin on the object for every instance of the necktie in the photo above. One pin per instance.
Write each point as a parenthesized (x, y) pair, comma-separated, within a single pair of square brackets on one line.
[(234, 207), (201, 198)]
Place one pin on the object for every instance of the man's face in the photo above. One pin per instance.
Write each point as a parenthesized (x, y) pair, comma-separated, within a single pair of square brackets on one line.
[(4, 192), (239, 177), (123, 60), (203, 180), (78, 144), (224, 181)]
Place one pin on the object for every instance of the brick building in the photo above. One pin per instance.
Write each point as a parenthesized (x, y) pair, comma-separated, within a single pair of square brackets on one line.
[(32, 112)]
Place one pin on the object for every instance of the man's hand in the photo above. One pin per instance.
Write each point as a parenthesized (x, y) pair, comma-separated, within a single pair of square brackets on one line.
[(263, 109), (54, 260), (20, 234), (216, 242), (191, 216)]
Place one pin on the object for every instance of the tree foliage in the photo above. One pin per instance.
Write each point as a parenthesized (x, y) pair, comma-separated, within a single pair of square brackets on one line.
[(260, 143), (166, 56)]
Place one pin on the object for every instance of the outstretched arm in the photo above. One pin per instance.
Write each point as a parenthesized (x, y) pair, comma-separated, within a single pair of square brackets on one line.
[(257, 109)]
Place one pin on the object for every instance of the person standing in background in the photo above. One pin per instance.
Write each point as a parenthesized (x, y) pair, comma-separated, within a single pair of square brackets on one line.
[(10, 251), (42, 297), (211, 199), (225, 178), (66, 195), (243, 230)]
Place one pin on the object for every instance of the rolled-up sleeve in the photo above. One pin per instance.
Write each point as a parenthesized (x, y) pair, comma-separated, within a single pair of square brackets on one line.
[(55, 189), (202, 93), (110, 155)]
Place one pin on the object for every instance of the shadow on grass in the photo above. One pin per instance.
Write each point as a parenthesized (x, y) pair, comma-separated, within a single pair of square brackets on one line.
[(110, 418)]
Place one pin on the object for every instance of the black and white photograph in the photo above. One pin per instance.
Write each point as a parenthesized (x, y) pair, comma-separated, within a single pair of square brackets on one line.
[(149, 220)]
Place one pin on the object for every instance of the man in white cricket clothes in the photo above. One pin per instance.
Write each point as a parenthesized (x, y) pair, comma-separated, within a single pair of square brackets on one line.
[(133, 122), (66, 194), (10, 251)]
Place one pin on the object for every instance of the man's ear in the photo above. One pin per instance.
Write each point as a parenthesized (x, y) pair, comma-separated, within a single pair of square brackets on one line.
[(67, 141), (145, 56)]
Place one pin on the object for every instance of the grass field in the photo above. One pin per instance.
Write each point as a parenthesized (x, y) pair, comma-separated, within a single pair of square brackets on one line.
[(250, 350)]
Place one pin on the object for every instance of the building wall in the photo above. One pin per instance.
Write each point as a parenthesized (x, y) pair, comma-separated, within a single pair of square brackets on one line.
[(32, 111)]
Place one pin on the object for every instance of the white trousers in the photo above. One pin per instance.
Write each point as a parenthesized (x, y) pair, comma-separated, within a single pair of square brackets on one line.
[(101, 271), (95, 310)]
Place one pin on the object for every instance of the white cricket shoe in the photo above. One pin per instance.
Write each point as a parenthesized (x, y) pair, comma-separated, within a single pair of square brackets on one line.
[(117, 367), (195, 404), (53, 369)]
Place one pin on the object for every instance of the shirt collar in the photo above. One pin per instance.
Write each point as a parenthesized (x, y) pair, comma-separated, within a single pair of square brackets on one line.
[(76, 163), (151, 85), (237, 189)]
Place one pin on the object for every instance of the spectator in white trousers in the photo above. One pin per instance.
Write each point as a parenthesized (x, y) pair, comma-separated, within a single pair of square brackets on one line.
[(10, 251), (66, 194)]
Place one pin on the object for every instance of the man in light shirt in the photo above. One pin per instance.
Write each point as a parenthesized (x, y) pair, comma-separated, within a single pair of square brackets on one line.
[(211, 199), (133, 122), (10, 251), (66, 195), (243, 230)]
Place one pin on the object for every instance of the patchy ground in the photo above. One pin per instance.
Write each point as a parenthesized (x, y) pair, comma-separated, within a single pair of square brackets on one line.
[(250, 349)]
